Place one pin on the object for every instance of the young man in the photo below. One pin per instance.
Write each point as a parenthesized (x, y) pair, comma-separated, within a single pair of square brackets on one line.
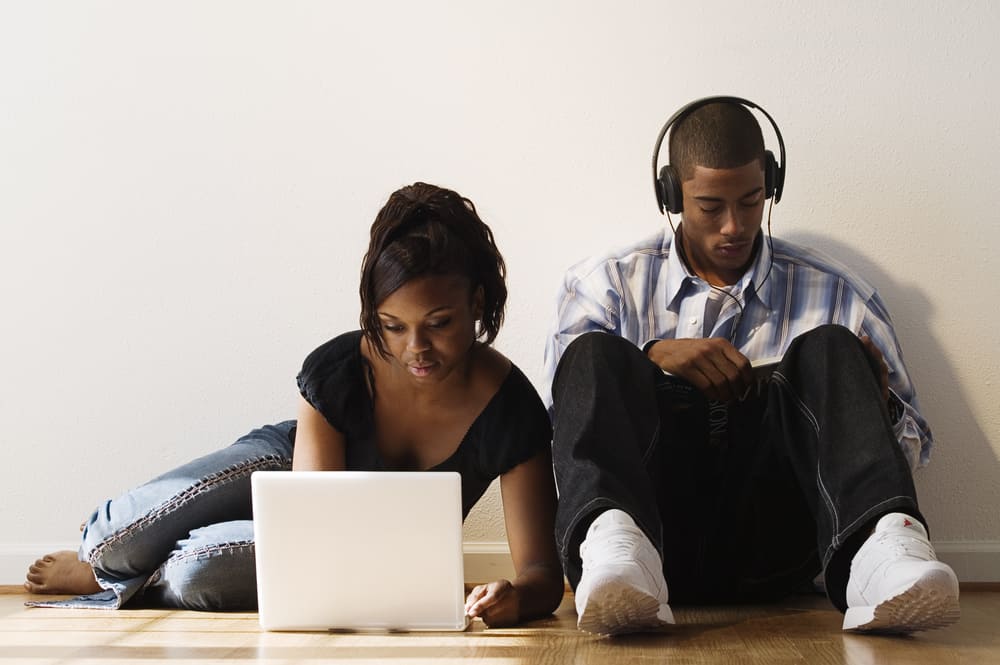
[(747, 493)]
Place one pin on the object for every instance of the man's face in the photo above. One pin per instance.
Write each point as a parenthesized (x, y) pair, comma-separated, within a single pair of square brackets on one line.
[(723, 209)]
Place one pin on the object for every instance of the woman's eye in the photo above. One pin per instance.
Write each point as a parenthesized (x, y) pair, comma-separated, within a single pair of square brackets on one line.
[(392, 328), (439, 324)]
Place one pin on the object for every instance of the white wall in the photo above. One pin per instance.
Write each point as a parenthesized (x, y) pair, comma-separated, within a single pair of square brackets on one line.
[(186, 188)]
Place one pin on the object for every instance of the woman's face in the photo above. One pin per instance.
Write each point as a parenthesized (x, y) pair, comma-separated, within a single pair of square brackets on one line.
[(429, 325)]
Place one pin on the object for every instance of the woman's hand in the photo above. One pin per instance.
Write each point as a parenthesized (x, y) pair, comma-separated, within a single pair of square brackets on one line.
[(497, 604), (529, 506)]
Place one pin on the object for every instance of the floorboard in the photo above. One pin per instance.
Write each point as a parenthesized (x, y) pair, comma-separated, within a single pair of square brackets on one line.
[(803, 629)]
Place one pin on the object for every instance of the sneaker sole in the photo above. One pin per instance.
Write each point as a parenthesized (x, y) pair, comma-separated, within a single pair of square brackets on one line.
[(614, 608), (930, 603)]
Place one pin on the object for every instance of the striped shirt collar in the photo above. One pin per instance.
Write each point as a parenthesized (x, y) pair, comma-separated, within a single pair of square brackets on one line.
[(679, 277)]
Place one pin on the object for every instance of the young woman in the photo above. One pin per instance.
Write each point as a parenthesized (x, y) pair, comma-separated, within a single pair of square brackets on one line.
[(417, 388)]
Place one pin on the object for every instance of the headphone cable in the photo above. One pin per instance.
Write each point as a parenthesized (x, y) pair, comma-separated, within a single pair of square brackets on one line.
[(756, 287)]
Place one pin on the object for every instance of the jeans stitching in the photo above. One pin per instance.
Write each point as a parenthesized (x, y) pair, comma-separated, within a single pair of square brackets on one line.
[(198, 487), (866, 516), (206, 551), (652, 444), (782, 381), (564, 545), (187, 556)]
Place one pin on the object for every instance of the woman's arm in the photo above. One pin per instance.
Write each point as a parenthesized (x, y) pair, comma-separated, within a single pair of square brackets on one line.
[(529, 506), (318, 446)]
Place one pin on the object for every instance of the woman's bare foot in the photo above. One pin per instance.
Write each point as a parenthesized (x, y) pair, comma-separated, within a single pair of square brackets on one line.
[(61, 573)]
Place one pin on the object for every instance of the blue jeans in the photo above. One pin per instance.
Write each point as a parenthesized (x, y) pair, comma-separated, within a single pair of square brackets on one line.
[(754, 514), (185, 539)]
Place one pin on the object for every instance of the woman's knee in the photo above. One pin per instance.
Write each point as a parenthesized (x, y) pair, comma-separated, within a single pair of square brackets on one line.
[(213, 570), (131, 534), (270, 444)]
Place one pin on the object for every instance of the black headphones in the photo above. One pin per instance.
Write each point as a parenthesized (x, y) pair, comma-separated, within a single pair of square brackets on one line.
[(667, 182)]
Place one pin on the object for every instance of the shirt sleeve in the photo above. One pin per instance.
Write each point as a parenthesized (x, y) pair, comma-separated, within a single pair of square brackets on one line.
[(911, 429), (331, 381), (587, 301)]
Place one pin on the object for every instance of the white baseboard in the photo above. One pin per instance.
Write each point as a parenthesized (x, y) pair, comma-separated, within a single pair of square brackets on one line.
[(15, 559), (973, 561), (484, 561)]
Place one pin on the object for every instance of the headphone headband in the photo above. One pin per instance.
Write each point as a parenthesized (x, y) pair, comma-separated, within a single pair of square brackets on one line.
[(666, 185)]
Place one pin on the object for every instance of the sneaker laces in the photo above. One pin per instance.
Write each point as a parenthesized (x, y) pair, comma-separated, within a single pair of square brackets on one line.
[(908, 543), (614, 544)]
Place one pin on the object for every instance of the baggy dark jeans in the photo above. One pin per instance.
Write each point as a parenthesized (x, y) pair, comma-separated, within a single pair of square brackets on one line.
[(792, 490)]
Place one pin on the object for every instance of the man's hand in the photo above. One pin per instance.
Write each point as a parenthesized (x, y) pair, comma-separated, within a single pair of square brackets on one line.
[(879, 366), (714, 366), (496, 603)]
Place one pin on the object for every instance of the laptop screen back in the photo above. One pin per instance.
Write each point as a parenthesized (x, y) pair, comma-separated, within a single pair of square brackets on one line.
[(359, 550)]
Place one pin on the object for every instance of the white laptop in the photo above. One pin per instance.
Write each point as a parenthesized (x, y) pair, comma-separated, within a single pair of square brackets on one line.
[(355, 550)]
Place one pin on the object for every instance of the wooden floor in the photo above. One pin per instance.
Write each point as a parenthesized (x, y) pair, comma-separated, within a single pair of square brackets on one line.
[(804, 629)]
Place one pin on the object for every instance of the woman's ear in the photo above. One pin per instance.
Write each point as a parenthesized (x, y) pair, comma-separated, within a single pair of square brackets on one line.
[(478, 300)]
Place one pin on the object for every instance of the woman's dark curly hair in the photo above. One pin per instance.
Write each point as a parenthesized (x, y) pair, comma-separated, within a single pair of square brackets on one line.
[(428, 230)]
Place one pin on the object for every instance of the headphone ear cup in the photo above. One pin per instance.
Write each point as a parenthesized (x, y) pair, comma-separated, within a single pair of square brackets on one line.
[(669, 190), (771, 176)]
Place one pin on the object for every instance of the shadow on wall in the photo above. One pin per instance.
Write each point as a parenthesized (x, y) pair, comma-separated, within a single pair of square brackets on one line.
[(963, 461)]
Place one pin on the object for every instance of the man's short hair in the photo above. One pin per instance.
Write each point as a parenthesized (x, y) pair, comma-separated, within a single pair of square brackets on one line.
[(721, 135)]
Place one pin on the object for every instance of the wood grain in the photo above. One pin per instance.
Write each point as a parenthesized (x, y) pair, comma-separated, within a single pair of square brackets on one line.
[(803, 629)]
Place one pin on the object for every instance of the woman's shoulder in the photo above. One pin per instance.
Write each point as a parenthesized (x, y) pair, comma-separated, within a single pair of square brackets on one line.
[(516, 402), (513, 427), (342, 347), (493, 368), (332, 375)]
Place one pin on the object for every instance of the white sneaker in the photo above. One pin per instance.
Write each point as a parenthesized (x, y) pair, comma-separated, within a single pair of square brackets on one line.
[(622, 589), (897, 585)]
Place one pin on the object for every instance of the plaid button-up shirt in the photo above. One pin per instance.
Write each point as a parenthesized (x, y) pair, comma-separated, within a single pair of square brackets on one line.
[(644, 292)]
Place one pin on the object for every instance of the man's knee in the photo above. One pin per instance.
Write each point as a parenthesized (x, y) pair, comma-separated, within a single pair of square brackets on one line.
[(591, 351), (593, 345), (592, 342), (828, 351), (826, 338)]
